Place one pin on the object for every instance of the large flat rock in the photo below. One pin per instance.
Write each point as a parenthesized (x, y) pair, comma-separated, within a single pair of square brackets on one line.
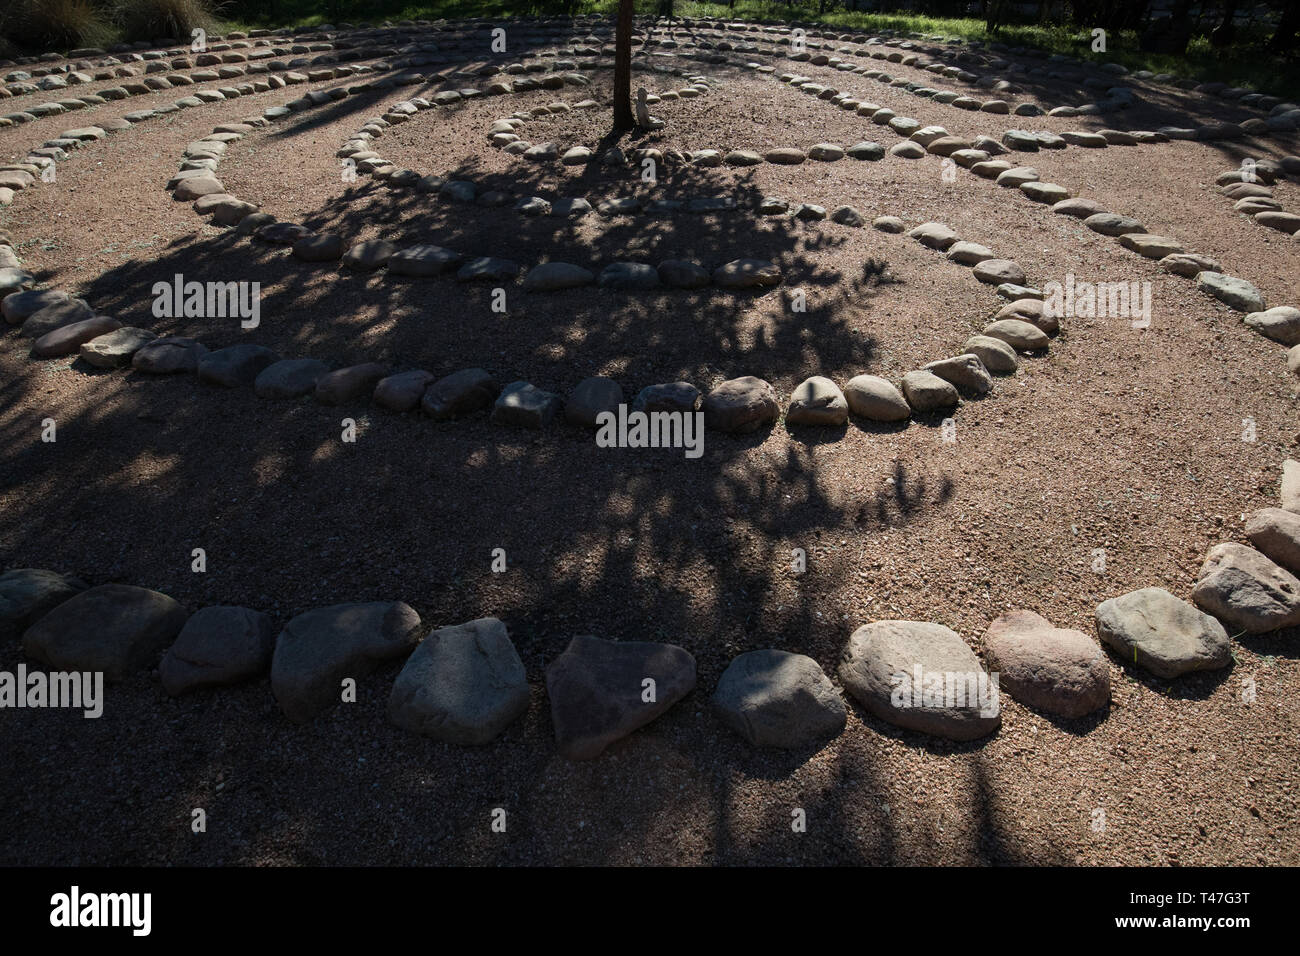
[(1162, 633)]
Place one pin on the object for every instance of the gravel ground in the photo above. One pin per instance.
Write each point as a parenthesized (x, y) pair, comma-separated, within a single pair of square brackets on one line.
[(1119, 439)]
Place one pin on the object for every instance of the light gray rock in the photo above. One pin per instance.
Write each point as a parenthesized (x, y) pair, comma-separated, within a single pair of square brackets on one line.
[(18, 306), (965, 371), (954, 698), (817, 401), (459, 393), (1246, 590), (631, 276), (741, 405), (423, 260), (115, 349), (1018, 334), (318, 649), (402, 392), (774, 698), (934, 235), (26, 594), (1275, 532), (169, 355), (68, 339), (927, 392), (114, 628), (216, 647), (54, 316), (1280, 323), (552, 276), (997, 355), (1233, 292), (591, 397), (526, 405), (235, 365), (1167, 636), (289, 378), (876, 399), (464, 684), (599, 694), (667, 397), (1052, 669), (349, 384), (369, 255)]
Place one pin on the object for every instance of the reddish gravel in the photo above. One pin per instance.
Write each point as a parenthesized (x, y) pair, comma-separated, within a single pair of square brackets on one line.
[(1119, 439)]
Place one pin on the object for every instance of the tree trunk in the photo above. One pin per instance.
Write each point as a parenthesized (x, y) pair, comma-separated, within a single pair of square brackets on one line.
[(623, 117), (1226, 32)]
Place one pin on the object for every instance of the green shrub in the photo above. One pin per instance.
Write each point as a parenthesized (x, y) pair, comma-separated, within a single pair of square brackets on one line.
[(152, 19), (42, 25)]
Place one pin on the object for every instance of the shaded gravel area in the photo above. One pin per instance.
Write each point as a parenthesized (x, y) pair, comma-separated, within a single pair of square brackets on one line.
[(1118, 439)]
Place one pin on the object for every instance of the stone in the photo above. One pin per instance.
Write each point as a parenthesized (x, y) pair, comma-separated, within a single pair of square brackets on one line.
[(1078, 207), (289, 378), (619, 206), (459, 393), (402, 392), (488, 269), (1165, 635), (187, 190), (169, 355), (876, 399), (68, 339), (996, 355), (742, 157), (773, 206), (324, 247), (1243, 588), (773, 698), (596, 690), (1056, 670), (282, 233), (907, 150), (927, 392), (810, 212), (740, 405), (866, 151), (1189, 264), (27, 594), (848, 216), (114, 628), (1233, 292), (423, 260), (1290, 485), (525, 405), (632, 276), (1017, 176), (667, 397), (946, 145), (991, 168), (590, 398), (817, 401), (553, 276), (349, 384), (1020, 140), (680, 274), (114, 349), (319, 648), (785, 156), (747, 274), (934, 235), (890, 224), (235, 365), (369, 255), (534, 206), (218, 646), (1152, 247), (969, 253), (463, 684), (964, 371), (1275, 533), (1033, 311), (1280, 323), (1045, 192), (1085, 139), (882, 663), (1287, 222), (229, 211), (826, 152), (54, 316), (998, 271), (1018, 334), (1111, 224), (17, 307)]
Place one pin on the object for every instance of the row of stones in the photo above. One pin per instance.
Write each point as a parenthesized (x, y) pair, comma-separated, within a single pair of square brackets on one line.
[(26, 173), (465, 684), (65, 326), (1239, 95), (1249, 186), (1281, 323)]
